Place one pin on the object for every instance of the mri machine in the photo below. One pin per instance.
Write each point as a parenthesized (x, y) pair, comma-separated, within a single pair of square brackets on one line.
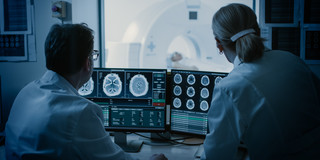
[(163, 28)]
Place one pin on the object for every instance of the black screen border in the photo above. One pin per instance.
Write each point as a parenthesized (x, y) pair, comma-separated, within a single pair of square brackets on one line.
[(137, 129), (170, 78)]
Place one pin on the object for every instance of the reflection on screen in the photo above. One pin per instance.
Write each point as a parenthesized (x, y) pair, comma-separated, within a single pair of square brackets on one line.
[(129, 98), (191, 97)]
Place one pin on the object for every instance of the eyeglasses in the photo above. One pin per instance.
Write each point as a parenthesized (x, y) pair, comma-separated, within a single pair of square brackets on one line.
[(95, 55)]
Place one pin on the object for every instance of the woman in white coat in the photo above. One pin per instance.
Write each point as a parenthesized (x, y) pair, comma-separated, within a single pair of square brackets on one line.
[(269, 101)]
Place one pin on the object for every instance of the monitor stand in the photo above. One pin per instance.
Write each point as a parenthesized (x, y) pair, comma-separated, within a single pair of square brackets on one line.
[(120, 138), (157, 139), (199, 152)]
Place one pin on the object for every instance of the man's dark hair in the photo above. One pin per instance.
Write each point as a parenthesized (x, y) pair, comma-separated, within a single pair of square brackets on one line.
[(67, 46)]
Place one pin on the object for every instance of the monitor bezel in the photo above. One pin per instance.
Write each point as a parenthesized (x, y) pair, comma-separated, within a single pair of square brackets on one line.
[(225, 74), (137, 129)]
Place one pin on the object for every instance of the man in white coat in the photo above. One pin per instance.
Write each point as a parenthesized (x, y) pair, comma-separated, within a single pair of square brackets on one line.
[(49, 119)]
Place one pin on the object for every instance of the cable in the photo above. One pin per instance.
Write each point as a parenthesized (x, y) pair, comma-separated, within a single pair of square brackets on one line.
[(172, 141), (188, 144), (177, 142)]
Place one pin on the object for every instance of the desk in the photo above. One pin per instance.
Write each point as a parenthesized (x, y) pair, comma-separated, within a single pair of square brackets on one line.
[(179, 151), (171, 151), (175, 152)]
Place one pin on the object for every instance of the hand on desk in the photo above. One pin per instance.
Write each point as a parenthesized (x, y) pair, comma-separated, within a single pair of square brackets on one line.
[(158, 157)]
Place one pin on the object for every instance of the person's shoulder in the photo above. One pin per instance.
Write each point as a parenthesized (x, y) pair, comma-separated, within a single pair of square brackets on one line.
[(69, 100), (286, 58), (88, 104), (29, 87), (278, 51), (77, 105), (234, 79), (83, 101), (282, 54)]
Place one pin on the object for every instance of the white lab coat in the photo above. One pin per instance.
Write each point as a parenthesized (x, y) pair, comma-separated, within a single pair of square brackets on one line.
[(49, 120), (271, 105)]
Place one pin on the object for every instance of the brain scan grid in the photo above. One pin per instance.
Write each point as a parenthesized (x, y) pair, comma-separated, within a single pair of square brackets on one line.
[(191, 97)]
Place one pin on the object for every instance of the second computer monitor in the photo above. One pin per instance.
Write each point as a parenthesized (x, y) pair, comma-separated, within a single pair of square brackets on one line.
[(191, 98)]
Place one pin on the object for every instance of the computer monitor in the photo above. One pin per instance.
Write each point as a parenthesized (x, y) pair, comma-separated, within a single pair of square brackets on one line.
[(2, 124), (131, 99), (190, 100)]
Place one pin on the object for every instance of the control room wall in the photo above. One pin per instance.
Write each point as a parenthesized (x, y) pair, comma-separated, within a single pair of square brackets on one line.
[(15, 75)]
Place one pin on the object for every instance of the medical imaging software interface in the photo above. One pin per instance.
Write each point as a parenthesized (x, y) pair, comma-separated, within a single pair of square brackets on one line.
[(191, 98), (131, 99)]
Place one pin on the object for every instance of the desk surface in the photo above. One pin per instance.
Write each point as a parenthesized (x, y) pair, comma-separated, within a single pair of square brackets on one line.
[(172, 152)]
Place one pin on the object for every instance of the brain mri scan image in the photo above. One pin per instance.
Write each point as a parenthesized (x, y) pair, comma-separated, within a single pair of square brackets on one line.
[(204, 93), (112, 85), (138, 85), (87, 88), (204, 105), (177, 78), (205, 81), (177, 90), (191, 92), (190, 104), (191, 79), (217, 80), (177, 103)]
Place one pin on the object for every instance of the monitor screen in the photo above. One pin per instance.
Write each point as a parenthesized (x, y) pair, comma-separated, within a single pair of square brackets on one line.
[(131, 99), (2, 125), (191, 98)]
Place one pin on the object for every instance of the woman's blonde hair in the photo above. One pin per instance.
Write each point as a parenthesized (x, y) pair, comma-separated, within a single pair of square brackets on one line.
[(232, 19)]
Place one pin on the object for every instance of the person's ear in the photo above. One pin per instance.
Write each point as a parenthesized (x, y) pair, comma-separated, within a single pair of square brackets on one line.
[(87, 65), (219, 45)]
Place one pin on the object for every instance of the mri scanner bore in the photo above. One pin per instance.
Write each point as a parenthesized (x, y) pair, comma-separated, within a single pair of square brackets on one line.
[(153, 34)]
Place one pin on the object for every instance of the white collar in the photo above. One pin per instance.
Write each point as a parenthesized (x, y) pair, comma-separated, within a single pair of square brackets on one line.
[(59, 80), (236, 61)]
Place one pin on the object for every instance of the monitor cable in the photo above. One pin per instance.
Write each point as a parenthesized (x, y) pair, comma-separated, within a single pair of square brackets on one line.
[(172, 141)]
